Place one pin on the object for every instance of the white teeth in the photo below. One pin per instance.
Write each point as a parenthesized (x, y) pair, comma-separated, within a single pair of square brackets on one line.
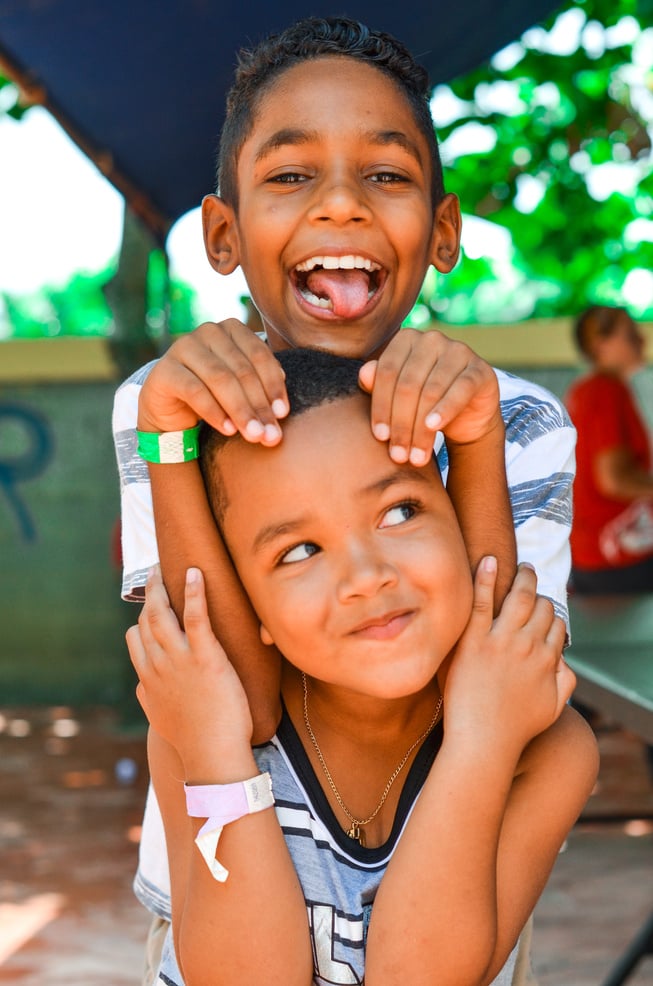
[(348, 262), (314, 300)]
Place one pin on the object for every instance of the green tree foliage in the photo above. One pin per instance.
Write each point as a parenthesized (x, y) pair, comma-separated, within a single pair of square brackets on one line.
[(551, 144), (10, 104), (78, 309)]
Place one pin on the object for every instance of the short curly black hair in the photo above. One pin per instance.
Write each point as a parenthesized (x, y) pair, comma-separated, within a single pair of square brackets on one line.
[(310, 38)]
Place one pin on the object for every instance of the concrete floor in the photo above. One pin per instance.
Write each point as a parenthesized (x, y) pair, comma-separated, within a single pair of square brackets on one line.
[(72, 788)]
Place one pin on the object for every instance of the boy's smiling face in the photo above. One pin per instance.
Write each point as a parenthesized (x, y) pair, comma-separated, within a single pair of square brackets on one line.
[(355, 566), (335, 227)]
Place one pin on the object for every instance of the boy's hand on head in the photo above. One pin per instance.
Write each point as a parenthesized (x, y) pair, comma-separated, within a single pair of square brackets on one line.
[(424, 382), (221, 373), (507, 681), (187, 687)]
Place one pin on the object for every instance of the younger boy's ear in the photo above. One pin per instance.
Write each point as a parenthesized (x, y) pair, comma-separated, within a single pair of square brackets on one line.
[(447, 227), (220, 234), (266, 636)]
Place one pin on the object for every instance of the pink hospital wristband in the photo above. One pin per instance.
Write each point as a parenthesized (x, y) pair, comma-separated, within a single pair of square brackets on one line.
[(221, 804)]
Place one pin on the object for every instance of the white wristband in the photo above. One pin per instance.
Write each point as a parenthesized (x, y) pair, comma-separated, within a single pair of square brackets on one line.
[(221, 804)]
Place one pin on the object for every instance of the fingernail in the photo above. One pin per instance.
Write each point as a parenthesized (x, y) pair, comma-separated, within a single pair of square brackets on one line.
[(433, 421), (271, 433), (254, 429), (418, 456), (279, 408), (192, 575), (228, 427), (381, 431), (398, 453), (489, 564)]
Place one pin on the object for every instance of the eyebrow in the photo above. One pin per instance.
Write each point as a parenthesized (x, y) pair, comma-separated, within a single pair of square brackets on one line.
[(410, 474), (271, 532), (289, 136), (295, 137), (389, 137)]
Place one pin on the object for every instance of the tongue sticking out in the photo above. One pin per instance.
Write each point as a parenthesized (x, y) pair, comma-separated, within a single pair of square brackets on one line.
[(347, 290)]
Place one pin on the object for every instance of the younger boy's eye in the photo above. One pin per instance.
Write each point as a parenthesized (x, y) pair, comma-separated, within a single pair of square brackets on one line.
[(399, 514), (299, 553)]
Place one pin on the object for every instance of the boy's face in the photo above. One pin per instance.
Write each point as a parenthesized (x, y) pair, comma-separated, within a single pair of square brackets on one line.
[(335, 226), (355, 565), (622, 351)]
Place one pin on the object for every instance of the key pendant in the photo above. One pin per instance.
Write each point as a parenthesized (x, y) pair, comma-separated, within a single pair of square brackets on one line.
[(355, 832)]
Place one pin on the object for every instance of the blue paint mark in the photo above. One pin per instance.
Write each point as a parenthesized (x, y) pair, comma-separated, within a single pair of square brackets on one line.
[(26, 465)]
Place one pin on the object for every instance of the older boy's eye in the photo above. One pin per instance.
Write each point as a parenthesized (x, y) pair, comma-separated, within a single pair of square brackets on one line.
[(398, 514), (388, 177), (299, 553), (287, 178)]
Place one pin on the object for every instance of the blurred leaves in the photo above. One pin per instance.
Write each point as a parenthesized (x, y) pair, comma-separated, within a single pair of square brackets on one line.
[(565, 169), (10, 102), (78, 308)]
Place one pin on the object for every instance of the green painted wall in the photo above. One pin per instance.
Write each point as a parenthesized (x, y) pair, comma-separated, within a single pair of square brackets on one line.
[(62, 622)]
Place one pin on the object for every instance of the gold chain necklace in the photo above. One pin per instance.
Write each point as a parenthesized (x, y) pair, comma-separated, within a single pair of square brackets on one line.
[(354, 830)]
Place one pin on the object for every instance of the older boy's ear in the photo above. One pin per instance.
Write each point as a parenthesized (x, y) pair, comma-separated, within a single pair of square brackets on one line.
[(266, 636), (447, 227), (220, 234)]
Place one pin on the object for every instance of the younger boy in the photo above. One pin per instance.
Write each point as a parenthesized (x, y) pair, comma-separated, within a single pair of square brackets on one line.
[(331, 201), (406, 847)]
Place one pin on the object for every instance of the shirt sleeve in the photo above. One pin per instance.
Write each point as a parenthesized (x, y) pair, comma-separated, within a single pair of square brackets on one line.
[(540, 465), (138, 538)]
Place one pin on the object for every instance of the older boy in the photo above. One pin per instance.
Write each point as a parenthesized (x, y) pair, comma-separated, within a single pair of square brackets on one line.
[(358, 573), (331, 201)]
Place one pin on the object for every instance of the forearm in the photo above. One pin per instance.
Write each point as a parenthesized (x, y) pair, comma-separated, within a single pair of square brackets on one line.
[(188, 536), (435, 916), (478, 489), (622, 480), (477, 852), (253, 927)]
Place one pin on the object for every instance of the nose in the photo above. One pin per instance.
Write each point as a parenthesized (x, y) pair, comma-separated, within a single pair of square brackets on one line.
[(365, 570), (340, 198)]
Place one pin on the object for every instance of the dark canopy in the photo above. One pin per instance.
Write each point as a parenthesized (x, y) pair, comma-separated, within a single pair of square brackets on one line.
[(141, 85)]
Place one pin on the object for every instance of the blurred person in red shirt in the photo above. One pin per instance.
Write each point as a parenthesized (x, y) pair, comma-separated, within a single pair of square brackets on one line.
[(612, 532)]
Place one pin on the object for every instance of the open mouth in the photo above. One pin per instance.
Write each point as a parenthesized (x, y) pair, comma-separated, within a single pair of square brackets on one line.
[(341, 285)]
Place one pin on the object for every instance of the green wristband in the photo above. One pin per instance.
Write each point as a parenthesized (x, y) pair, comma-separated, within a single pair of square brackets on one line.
[(169, 446)]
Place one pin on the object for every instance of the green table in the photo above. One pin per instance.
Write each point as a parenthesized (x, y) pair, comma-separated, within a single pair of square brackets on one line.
[(611, 653)]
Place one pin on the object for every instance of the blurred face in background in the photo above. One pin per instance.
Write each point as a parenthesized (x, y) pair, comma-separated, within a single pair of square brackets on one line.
[(621, 351)]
